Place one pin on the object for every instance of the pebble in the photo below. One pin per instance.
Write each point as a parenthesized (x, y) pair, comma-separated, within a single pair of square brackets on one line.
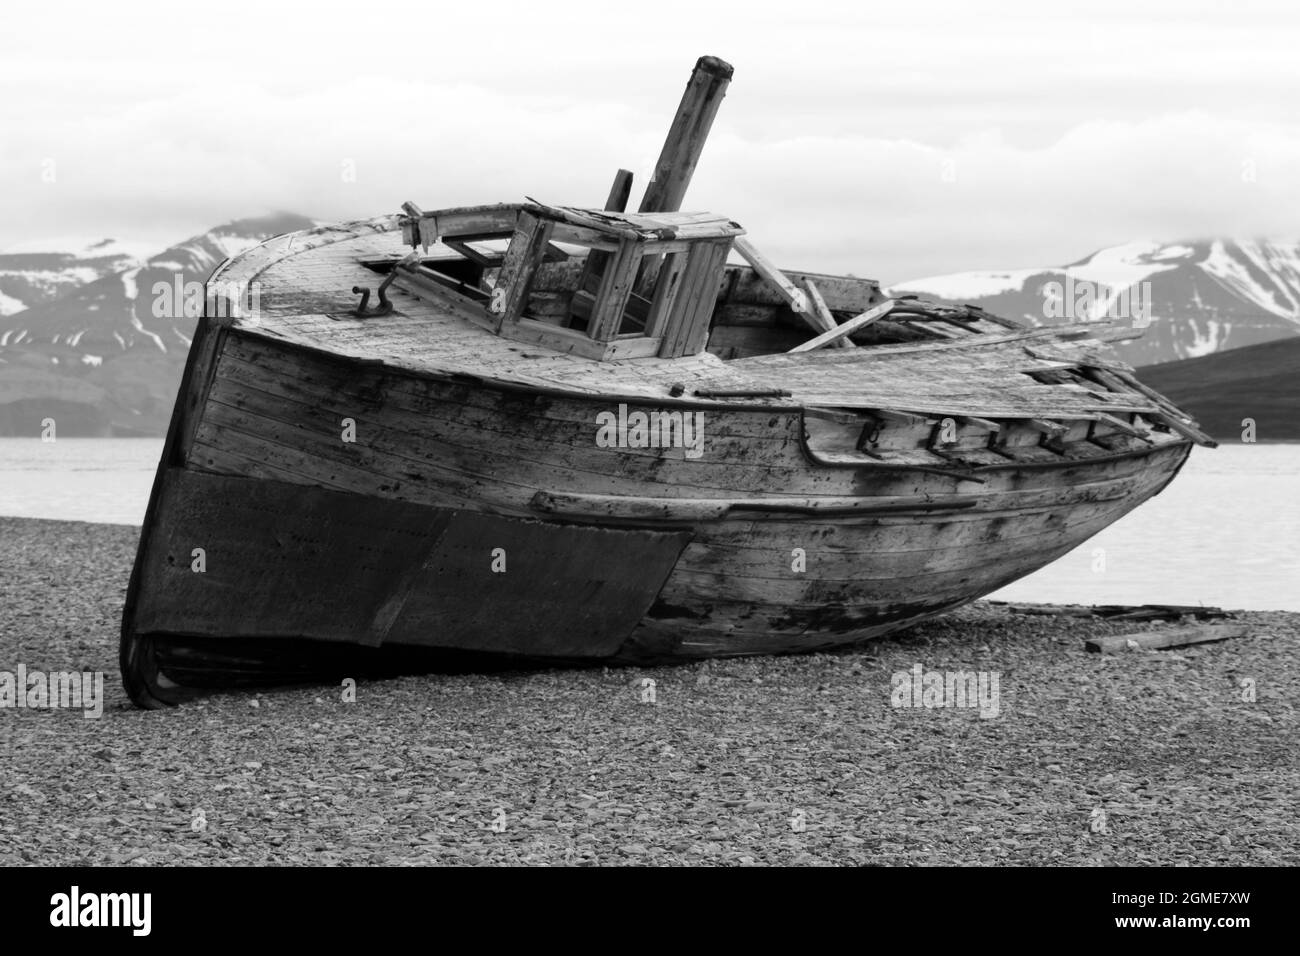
[(742, 762)]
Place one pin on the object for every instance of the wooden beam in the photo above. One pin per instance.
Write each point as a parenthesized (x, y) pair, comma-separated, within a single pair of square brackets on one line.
[(615, 288), (598, 261), (794, 297), (1186, 430), (523, 256), (1052, 429), (696, 509), (824, 314), (846, 328), (620, 192), (1169, 637), (1123, 426), (687, 135)]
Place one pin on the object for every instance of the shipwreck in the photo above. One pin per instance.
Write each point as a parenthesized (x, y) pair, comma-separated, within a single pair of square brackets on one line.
[(526, 432)]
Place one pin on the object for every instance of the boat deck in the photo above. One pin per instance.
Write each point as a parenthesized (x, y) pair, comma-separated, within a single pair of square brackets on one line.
[(305, 284)]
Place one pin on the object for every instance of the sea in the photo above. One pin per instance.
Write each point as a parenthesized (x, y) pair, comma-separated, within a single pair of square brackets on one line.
[(1225, 533)]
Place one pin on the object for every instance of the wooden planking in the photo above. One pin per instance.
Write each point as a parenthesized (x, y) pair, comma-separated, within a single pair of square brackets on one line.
[(480, 453), (429, 450), (424, 402), (1169, 637), (884, 577), (641, 507)]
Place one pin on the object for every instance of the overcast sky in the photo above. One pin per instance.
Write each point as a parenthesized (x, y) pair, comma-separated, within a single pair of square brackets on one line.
[(891, 140)]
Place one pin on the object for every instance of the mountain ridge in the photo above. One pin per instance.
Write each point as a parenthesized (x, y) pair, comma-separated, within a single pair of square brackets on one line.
[(96, 358), (1202, 296)]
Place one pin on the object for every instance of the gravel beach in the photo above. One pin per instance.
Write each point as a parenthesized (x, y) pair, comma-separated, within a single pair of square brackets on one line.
[(1142, 757)]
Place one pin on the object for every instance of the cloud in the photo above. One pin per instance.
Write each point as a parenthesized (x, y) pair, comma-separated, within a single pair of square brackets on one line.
[(894, 146)]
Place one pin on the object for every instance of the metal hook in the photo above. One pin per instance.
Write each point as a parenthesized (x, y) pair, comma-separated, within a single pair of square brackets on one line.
[(384, 306)]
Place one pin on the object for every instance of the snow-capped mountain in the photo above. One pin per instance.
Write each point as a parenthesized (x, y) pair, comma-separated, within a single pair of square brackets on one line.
[(33, 273), (1198, 297), (97, 358)]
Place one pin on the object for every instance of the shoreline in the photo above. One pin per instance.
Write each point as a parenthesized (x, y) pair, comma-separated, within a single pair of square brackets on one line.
[(1159, 745)]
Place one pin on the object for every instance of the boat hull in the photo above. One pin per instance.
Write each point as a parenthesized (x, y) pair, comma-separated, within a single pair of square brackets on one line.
[(274, 549)]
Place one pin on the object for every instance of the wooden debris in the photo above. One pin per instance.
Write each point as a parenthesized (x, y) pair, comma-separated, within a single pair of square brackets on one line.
[(1171, 637), (1049, 610), (796, 298), (1120, 612), (846, 329), (824, 314)]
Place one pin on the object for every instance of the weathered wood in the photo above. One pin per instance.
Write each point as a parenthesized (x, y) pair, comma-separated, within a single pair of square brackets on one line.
[(1169, 637), (824, 316), (615, 289), (795, 298), (687, 135), (594, 268), (845, 329), (523, 256), (620, 191), (704, 509)]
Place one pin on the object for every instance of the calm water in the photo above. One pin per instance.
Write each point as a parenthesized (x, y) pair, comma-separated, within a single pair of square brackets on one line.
[(78, 479), (1226, 532)]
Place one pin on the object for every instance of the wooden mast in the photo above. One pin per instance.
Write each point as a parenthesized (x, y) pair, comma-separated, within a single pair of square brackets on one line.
[(682, 148), (686, 137)]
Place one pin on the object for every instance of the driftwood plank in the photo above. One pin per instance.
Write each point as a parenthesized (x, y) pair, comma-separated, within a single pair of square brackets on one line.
[(824, 316), (847, 328), (1172, 637)]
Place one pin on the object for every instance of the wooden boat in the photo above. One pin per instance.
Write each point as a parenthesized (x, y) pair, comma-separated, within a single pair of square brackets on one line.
[(563, 434)]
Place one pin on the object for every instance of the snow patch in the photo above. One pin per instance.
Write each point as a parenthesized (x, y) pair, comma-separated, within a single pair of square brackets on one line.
[(1229, 271), (139, 327), (1122, 267), (966, 286), (95, 360), (1172, 252), (1207, 342), (129, 284), (9, 305)]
